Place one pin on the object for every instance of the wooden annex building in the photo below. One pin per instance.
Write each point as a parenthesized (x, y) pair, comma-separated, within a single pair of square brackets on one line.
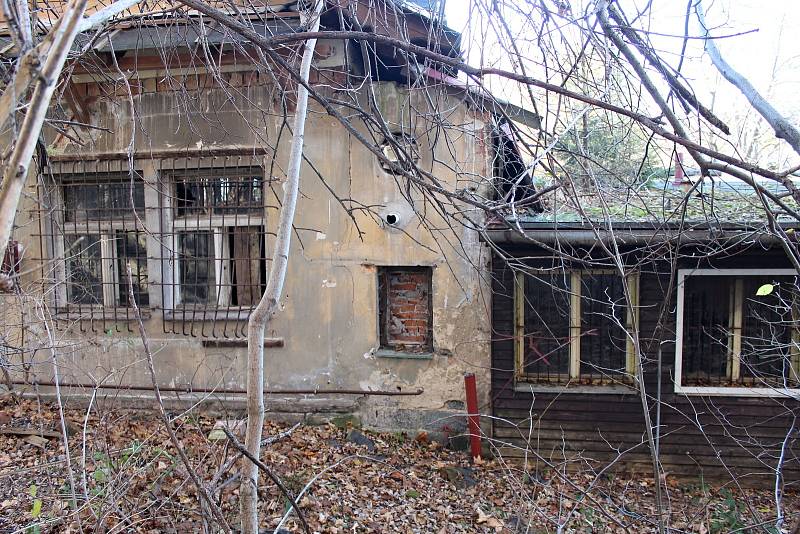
[(715, 309)]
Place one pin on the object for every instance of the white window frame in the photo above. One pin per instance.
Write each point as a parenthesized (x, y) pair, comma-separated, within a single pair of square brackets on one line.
[(735, 361), (632, 321), (106, 229), (218, 225)]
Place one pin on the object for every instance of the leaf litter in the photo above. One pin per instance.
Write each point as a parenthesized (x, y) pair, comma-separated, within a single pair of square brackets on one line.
[(129, 479)]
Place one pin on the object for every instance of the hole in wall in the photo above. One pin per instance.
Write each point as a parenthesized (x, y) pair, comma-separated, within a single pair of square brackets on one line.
[(392, 219)]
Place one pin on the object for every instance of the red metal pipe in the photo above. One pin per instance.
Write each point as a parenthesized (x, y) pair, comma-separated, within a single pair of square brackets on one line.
[(472, 415), (188, 390)]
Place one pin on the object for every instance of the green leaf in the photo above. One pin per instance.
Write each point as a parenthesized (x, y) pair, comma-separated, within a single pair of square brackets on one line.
[(412, 493), (32, 490), (37, 508), (765, 290)]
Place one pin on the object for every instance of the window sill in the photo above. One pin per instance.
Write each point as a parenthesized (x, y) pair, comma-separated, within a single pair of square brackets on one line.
[(738, 391), (400, 355), (208, 314), (608, 389), (269, 343), (121, 315)]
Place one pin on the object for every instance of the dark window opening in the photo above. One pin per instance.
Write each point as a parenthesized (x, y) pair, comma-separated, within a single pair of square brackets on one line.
[(197, 272), (402, 150), (105, 198), (222, 268), (218, 194), (546, 341), (84, 268), (101, 234), (405, 313), (735, 336), (604, 342), (513, 180), (573, 327)]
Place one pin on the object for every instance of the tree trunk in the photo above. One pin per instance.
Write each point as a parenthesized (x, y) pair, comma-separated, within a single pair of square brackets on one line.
[(16, 170), (268, 305), (783, 128)]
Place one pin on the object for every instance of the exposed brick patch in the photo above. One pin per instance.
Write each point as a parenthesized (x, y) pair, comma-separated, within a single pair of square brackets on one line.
[(405, 308)]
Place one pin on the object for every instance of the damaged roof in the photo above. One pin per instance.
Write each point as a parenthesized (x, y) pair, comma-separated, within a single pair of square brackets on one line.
[(144, 23)]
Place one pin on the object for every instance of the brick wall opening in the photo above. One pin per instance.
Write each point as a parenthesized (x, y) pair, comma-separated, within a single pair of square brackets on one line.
[(405, 311)]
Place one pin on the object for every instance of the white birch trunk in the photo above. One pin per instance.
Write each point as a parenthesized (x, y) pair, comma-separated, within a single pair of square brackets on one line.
[(16, 170), (268, 305)]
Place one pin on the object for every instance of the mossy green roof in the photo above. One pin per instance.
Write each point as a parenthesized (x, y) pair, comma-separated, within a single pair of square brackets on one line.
[(660, 204)]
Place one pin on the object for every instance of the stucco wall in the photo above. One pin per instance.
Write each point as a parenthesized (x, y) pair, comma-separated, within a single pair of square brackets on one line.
[(329, 316)]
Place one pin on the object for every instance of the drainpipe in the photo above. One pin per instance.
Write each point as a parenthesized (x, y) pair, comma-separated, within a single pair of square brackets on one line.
[(472, 416)]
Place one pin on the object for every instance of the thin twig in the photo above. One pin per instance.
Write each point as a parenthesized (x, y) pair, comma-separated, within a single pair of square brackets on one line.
[(201, 490), (261, 465)]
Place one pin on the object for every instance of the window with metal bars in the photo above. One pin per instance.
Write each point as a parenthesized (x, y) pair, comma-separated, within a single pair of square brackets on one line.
[(737, 330), (572, 327), (102, 232), (193, 234), (218, 238)]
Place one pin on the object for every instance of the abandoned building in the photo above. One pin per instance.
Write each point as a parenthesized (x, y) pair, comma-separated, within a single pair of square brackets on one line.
[(387, 304), (180, 177)]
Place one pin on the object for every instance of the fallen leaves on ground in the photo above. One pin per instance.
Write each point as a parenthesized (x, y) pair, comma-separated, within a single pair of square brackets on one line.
[(129, 478)]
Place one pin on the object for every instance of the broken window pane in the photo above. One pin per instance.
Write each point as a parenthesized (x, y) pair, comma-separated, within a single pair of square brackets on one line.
[(102, 201), (132, 250), (405, 313), (196, 267), (218, 195), (84, 269)]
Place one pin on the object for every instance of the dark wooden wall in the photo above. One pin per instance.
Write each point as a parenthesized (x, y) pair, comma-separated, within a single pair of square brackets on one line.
[(718, 437)]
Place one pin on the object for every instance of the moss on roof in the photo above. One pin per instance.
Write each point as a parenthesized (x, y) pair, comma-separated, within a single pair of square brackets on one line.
[(659, 204)]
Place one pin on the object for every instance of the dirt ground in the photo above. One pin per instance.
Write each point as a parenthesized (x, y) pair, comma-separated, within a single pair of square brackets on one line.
[(128, 477)]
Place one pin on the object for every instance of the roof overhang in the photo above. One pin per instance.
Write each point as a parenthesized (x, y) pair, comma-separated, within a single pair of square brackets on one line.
[(484, 99), (631, 234)]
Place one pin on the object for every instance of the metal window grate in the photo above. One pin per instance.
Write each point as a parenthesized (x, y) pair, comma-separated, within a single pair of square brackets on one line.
[(572, 328), (193, 234), (604, 342), (768, 326), (546, 344), (734, 337), (91, 228)]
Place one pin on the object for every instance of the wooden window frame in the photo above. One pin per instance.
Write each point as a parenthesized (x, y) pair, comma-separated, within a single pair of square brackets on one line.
[(576, 275), (733, 366)]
